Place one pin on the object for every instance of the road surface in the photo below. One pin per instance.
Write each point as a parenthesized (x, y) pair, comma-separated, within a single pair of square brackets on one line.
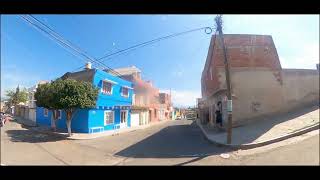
[(170, 143)]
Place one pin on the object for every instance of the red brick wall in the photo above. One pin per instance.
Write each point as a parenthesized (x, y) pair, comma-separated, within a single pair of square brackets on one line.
[(242, 51)]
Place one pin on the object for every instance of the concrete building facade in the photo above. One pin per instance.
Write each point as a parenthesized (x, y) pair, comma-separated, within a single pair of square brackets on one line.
[(260, 87), (149, 105), (113, 104)]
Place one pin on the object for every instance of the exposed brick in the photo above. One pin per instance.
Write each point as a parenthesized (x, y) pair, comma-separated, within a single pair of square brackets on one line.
[(242, 51)]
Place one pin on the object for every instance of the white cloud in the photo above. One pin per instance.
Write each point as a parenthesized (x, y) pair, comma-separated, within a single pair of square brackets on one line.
[(183, 98)]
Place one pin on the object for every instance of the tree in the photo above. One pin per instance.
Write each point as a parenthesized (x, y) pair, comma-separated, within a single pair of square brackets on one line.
[(15, 97), (44, 97), (71, 95)]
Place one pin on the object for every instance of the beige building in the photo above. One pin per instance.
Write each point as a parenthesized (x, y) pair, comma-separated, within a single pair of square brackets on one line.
[(260, 86)]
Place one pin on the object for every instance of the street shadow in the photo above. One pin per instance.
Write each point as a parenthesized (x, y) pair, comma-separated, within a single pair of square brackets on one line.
[(175, 141), (255, 128), (29, 136)]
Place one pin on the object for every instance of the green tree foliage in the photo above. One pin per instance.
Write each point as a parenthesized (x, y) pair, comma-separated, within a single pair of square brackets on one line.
[(72, 94), (15, 97), (68, 95), (43, 96)]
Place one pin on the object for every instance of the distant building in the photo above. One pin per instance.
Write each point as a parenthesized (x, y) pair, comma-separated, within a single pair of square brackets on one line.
[(166, 106), (113, 105), (260, 87), (31, 103), (149, 105)]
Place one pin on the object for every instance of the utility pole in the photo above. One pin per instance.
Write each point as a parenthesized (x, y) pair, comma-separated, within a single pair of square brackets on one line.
[(218, 20)]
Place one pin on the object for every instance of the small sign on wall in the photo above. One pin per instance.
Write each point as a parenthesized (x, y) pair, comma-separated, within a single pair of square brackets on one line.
[(229, 105)]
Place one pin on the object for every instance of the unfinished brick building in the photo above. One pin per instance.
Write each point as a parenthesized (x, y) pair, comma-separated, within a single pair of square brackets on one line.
[(260, 87)]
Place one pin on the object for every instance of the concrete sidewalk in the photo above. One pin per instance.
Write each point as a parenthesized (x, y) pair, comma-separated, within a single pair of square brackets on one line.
[(266, 131), (84, 136), (25, 122)]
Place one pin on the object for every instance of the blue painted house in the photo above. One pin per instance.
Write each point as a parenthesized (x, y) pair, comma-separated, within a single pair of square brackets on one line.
[(113, 106)]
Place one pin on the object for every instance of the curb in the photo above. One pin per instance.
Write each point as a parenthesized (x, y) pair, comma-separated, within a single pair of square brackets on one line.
[(106, 135), (115, 133), (263, 143)]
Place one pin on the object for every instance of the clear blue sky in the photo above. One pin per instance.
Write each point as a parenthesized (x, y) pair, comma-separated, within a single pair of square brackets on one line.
[(28, 56)]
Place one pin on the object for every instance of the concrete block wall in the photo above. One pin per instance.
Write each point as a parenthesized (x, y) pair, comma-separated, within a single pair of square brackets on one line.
[(300, 87), (257, 93)]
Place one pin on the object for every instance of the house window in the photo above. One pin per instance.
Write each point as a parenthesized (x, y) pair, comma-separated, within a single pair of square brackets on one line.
[(59, 114), (45, 112), (123, 117), (108, 117), (106, 87), (124, 92)]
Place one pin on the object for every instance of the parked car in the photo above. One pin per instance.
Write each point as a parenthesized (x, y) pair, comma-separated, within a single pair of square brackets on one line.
[(178, 118)]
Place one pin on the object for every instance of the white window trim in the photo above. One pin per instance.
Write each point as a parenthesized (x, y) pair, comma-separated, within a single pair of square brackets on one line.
[(104, 117), (127, 114), (107, 92), (123, 94), (44, 110), (112, 82)]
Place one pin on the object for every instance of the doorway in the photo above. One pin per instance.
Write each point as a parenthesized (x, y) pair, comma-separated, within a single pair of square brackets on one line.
[(123, 118)]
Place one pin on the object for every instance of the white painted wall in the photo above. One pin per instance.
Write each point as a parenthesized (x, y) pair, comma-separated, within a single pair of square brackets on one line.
[(32, 115), (134, 119)]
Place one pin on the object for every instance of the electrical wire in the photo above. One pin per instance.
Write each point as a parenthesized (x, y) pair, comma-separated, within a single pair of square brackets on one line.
[(64, 42), (51, 37), (156, 40)]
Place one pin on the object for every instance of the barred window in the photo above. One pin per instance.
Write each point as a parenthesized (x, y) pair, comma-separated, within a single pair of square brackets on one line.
[(124, 92), (106, 87), (108, 117)]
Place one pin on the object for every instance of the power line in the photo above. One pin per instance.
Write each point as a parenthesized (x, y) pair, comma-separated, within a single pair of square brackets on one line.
[(48, 34), (57, 34), (156, 40), (78, 68), (64, 42)]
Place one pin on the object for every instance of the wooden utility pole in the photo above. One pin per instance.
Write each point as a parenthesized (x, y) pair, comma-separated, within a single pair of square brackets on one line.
[(218, 20)]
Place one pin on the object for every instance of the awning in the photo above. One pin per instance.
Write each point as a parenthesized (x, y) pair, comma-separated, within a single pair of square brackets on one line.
[(113, 82)]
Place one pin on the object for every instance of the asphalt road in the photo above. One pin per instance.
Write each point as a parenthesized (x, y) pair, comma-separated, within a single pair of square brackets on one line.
[(173, 139), (169, 143)]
